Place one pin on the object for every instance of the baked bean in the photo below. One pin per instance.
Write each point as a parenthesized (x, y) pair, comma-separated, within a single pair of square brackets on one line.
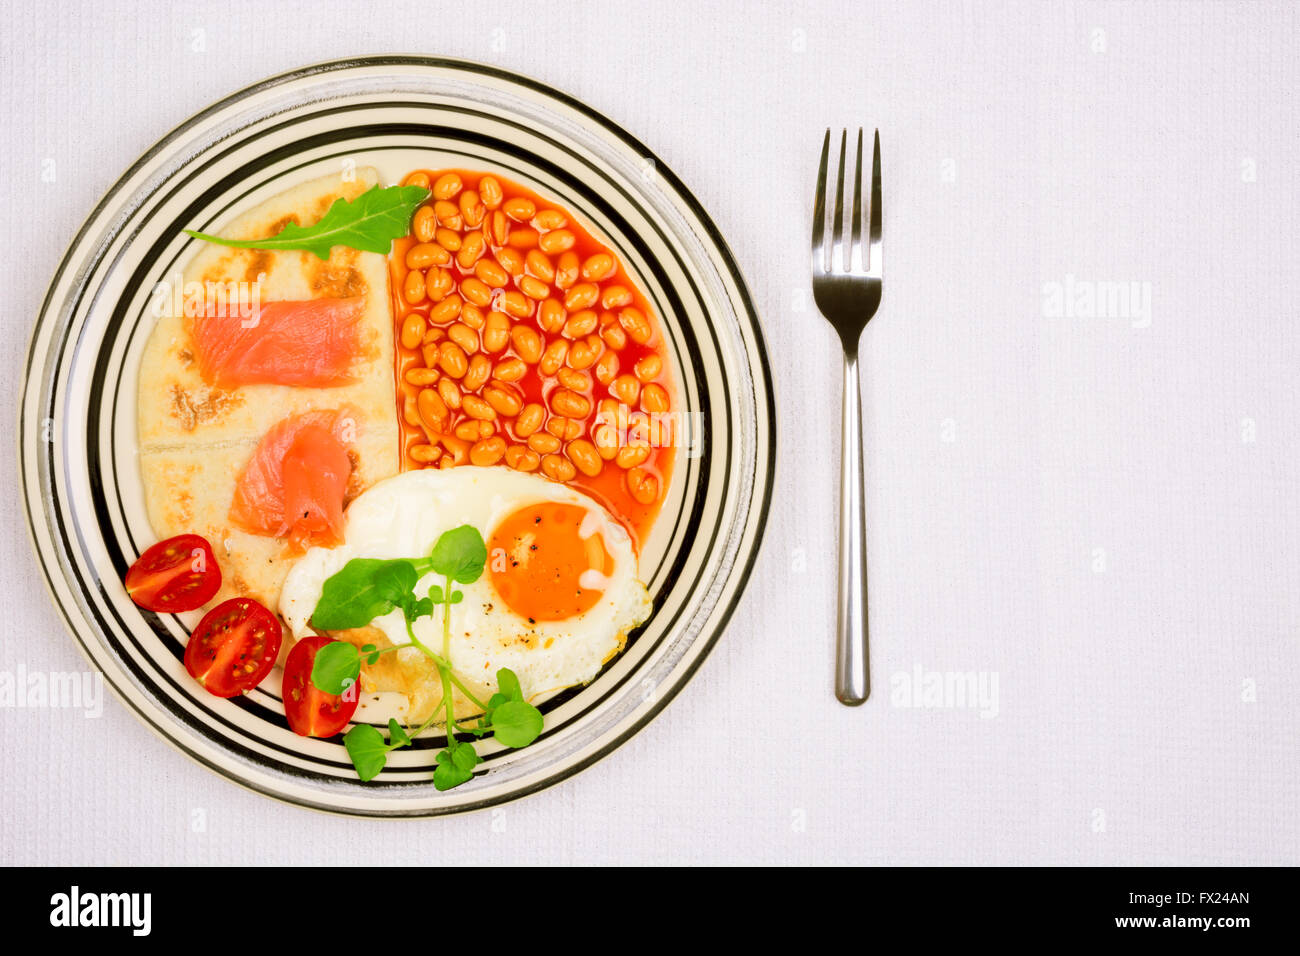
[(480, 367), (423, 224), (557, 241), (496, 333), (425, 454), (489, 451), (613, 335), (509, 370), (574, 381), (558, 468), (583, 455), (607, 367), (475, 407), (448, 214), (642, 486), (452, 360), (471, 248), (511, 260), (540, 265), (599, 267), (446, 186), (529, 419), (438, 282), (413, 287), (471, 208), (432, 409), (553, 357), (582, 296), (580, 324), (429, 352), (543, 443), (457, 450), (569, 403), (629, 456), (472, 316), (654, 398), (491, 273), (549, 219), (523, 237), (505, 401), (519, 209), (527, 343), (567, 270), (551, 315), (447, 238), (522, 459), (411, 411), (611, 411), (489, 189), (565, 429), (412, 331), (533, 288), (434, 334), (615, 297), (583, 355), (421, 376), (648, 367), (606, 439), (463, 336), (446, 311), (450, 392), (500, 227), (417, 178), (635, 324), (517, 304), (425, 254), (476, 291), (467, 430), (626, 388)]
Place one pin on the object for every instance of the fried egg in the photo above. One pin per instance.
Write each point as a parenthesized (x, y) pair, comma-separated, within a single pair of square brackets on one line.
[(556, 599)]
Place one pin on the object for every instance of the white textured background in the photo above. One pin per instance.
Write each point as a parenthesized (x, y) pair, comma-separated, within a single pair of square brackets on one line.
[(1102, 512)]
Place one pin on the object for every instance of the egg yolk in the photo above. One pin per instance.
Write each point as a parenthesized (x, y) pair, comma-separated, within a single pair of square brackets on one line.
[(544, 567)]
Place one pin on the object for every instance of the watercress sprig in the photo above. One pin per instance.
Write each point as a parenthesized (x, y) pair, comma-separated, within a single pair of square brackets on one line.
[(368, 588)]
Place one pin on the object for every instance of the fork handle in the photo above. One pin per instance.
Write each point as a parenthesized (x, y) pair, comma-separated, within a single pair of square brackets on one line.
[(852, 681)]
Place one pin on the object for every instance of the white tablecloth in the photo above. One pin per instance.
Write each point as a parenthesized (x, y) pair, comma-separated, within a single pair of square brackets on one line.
[(1081, 424)]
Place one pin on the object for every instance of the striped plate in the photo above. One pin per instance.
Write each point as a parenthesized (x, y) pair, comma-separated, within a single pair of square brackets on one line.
[(81, 480)]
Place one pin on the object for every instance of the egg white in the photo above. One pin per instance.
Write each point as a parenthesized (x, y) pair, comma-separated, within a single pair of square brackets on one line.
[(403, 516)]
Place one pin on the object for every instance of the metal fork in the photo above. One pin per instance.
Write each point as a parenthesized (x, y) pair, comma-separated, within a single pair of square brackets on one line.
[(847, 284)]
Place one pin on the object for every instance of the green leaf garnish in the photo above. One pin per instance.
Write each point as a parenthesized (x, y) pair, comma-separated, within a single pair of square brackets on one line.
[(370, 223), (366, 747), (336, 668), (460, 554), (455, 765), (363, 590), (367, 588), (516, 723), (397, 733)]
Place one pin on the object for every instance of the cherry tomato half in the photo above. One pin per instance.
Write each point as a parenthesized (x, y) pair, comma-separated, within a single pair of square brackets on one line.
[(179, 574), (311, 711), (234, 647)]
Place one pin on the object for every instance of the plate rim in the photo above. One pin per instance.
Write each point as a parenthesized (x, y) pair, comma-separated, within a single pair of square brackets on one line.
[(763, 393)]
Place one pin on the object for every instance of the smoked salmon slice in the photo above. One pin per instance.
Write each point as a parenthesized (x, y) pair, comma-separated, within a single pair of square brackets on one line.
[(311, 343), (294, 485)]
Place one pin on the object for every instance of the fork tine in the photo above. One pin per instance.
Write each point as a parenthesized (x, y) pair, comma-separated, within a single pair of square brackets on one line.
[(819, 211), (837, 248), (874, 229), (855, 248)]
